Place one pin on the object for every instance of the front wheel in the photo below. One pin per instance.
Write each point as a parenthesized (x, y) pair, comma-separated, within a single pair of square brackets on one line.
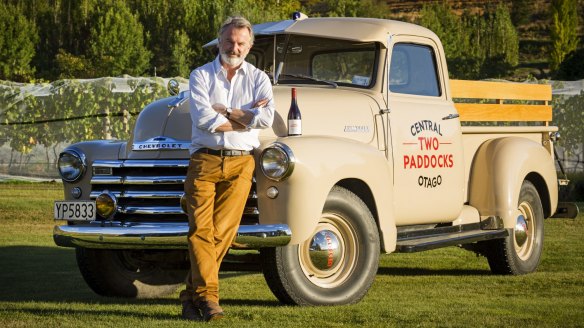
[(520, 252), (127, 273), (337, 265)]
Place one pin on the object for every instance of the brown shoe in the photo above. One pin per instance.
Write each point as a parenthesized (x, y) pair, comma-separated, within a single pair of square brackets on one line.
[(190, 311), (210, 310)]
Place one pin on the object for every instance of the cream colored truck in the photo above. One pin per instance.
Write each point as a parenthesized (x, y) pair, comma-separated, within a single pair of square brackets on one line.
[(383, 165)]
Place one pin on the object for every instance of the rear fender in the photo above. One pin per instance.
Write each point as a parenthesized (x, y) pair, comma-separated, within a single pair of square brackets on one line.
[(498, 170)]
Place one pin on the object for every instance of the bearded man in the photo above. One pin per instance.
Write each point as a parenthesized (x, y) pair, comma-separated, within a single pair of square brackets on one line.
[(230, 100)]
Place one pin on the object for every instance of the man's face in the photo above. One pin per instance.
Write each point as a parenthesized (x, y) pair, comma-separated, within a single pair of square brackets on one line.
[(234, 46)]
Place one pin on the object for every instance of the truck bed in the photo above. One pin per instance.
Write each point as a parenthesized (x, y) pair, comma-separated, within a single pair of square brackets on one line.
[(491, 110)]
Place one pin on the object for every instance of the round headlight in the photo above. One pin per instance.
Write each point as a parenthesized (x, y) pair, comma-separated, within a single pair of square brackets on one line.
[(71, 165), (277, 162)]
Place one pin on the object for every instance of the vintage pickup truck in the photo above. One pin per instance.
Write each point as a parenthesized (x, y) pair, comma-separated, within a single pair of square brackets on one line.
[(391, 159)]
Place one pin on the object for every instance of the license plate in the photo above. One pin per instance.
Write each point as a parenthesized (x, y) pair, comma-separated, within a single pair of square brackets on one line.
[(75, 210)]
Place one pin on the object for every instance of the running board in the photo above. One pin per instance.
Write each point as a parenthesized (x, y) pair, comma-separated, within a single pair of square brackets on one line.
[(424, 243)]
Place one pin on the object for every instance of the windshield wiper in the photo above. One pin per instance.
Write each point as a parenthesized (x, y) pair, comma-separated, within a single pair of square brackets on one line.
[(306, 77)]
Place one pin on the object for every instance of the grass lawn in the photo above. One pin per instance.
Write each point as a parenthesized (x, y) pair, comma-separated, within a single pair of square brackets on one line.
[(40, 285)]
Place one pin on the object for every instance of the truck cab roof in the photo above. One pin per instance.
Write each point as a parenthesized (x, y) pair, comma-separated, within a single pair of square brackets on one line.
[(344, 28)]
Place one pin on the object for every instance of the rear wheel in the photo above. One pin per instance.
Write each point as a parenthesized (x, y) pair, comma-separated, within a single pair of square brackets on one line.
[(127, 273), (520, 252), (336, 265)]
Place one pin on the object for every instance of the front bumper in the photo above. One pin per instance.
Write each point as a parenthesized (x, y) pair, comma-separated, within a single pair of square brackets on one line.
[(160, 235)]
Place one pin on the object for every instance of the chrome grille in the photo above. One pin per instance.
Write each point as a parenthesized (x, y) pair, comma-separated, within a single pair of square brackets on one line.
[(150, 190)]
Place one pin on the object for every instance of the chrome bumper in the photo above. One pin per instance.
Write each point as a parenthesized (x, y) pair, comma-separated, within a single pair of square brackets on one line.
[(159, 235)]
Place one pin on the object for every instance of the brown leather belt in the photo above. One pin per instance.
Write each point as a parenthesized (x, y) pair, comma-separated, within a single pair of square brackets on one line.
[(223, 152)]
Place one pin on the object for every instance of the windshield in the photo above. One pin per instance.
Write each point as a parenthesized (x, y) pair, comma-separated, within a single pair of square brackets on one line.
[(310, 60)]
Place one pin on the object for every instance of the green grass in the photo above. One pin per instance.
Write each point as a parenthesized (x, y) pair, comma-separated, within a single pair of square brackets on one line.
[(40, 285)]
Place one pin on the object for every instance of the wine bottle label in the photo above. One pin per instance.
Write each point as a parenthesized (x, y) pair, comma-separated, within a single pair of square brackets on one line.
[(294, 127)]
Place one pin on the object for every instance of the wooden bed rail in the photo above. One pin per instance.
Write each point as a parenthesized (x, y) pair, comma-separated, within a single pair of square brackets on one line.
[(507, 101)]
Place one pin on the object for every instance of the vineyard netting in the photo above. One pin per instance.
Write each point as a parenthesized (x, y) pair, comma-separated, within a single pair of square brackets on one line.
[(37, 121)]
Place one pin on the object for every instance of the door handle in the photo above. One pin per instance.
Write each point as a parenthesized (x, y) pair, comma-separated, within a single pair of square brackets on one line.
[(450, 116)]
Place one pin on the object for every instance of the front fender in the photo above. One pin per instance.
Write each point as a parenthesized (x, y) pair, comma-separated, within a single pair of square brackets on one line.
[(321, 162), (92, 150), (499, 168)]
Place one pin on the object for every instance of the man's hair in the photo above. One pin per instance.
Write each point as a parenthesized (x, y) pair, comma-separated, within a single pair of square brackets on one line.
[(236, 22)]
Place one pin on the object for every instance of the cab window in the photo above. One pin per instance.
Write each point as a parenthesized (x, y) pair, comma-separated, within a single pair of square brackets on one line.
[(413, 70), (345, 66)]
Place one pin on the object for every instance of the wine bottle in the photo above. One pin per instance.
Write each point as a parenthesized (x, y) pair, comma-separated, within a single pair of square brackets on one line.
[(294, 117)]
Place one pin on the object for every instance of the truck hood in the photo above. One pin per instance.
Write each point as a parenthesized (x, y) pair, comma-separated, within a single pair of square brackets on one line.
[(162, 132), (335, 112)]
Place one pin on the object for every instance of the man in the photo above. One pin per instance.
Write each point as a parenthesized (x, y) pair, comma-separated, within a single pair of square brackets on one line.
[(229, 101)]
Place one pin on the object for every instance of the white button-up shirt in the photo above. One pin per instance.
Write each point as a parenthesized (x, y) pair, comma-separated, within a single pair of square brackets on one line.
[(208, 85)]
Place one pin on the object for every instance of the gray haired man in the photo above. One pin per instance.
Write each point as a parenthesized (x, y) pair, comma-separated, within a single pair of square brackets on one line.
[(230, 100)]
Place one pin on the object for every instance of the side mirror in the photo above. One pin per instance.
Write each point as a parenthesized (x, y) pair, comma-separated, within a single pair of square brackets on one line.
[(173, 87)]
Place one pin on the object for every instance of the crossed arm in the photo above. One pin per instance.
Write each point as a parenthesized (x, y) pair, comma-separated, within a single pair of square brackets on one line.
[(238, 119)]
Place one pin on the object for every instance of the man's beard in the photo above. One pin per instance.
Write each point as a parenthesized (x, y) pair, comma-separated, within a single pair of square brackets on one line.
[(232, 61)]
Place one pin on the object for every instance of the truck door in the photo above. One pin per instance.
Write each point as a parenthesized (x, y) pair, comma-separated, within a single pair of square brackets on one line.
[(425, 135)]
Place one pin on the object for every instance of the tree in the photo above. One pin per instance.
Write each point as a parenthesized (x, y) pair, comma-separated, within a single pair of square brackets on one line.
[(63, 27), (18, 37), (439, 18), (502, 43), (71, 66), (460, 36), (181, 58), (116, 44), (564, 30), (262, 11), (476, 46), (203, 22), (161, 20)]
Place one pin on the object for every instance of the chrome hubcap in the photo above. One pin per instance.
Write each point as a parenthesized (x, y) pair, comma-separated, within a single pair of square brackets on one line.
[(521, 231), (329, 257), (325, 251)]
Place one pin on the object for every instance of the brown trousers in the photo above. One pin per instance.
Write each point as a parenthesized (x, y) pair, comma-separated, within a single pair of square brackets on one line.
[(217, 189)]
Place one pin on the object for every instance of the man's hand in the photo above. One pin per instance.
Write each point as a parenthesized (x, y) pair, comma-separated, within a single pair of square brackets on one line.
[(220, 108), (261, 103)]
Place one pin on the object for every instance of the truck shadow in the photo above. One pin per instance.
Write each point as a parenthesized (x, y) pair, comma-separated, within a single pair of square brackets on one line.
[(50, 274), (43, 281), (47, 274)]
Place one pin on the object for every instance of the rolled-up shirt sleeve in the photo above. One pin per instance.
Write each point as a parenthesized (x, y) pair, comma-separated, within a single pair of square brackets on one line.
[(263, 116), (203, 115)]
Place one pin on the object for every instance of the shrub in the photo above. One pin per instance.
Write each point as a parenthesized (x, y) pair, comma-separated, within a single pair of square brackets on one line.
[(563, 31)]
